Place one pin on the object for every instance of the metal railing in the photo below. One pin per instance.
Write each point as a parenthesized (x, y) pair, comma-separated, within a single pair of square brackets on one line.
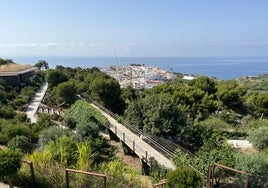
[(164, 146)]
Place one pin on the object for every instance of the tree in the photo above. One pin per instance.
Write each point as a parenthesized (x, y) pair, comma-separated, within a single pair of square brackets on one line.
[(205, 84), (66, 92), (157, 114), (129, 94), (260, 102), (195, 136), (42, 64), (134, 113), (10, 162), (259, 138), (184, 177), (106, 90), (231, 94), (55, 77)]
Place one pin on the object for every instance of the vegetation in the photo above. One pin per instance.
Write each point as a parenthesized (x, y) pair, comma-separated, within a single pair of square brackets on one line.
[(6, 61), (66, 83), (259, 138), (184, 177), (85, 118), (10, 162), (200, 115), (20, 143)]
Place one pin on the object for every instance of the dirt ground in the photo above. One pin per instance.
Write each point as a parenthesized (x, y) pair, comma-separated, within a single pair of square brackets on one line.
[(130, 160)]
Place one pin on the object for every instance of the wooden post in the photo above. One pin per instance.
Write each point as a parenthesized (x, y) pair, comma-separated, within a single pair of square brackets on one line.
[(31, 169), (115, 130), (146, 156), (209, 177), (134, 145), (67, 178), (105, 181), (124, 137), (246, 183), (32, 172)]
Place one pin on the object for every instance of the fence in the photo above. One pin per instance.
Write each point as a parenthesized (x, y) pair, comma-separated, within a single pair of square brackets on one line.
[(67, 171), (223, 176), (85, 173), (164, 146)]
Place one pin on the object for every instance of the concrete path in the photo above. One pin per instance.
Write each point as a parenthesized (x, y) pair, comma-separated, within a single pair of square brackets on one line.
[(2, 185), (35, 102), (140, 147), (240, 143)]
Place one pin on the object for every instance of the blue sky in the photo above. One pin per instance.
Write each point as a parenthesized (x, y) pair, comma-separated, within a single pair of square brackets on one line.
[(179, 28)]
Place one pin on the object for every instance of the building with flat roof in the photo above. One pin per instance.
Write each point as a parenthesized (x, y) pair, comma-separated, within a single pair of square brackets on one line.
[(15, 74)]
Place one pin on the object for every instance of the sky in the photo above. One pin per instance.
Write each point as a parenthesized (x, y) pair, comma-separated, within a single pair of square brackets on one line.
[(134, 28)]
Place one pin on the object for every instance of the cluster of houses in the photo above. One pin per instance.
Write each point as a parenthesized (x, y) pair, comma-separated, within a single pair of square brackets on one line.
[(135, 75), (139, 76)]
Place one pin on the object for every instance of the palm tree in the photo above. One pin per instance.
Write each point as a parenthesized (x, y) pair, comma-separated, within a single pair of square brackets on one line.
[(42, 64)]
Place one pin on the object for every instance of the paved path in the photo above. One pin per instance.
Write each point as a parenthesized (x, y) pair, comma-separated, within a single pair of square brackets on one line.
[(240, 143), (35, 102), (2, 185), (136, 143)]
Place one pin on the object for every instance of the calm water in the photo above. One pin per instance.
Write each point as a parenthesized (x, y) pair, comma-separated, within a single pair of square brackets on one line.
[(222, 68)]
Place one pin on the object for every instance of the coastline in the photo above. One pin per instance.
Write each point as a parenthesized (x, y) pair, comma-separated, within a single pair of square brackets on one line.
[(219, 67)]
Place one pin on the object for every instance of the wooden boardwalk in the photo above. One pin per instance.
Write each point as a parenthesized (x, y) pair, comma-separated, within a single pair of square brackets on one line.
[(136, 143)]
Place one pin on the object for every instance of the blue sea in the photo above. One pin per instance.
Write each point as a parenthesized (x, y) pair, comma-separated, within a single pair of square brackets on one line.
[(221, 68)]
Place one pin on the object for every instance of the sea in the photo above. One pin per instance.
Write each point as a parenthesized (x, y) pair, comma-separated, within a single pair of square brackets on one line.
[(224, 68)]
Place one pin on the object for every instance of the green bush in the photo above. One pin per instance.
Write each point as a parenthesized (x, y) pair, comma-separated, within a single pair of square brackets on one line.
[(184, 177), (51, 134), (7, 111), (259, 138), (257, 167), (20, 143), (10, 162), (12, 129)]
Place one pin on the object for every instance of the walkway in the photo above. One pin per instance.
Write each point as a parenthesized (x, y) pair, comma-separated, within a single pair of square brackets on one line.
[(137, 144), (35, 102), (3, 185)]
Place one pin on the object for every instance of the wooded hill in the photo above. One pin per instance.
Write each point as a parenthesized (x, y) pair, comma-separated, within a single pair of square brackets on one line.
[(200, 114)]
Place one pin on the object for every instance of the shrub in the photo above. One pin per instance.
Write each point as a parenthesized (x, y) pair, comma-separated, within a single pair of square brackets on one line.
[(184, 177), (256, 165), (20, 143), (259, 138), (10, 162)]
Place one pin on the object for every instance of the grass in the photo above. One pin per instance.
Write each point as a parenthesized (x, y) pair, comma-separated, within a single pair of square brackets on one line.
[(13, 67)]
